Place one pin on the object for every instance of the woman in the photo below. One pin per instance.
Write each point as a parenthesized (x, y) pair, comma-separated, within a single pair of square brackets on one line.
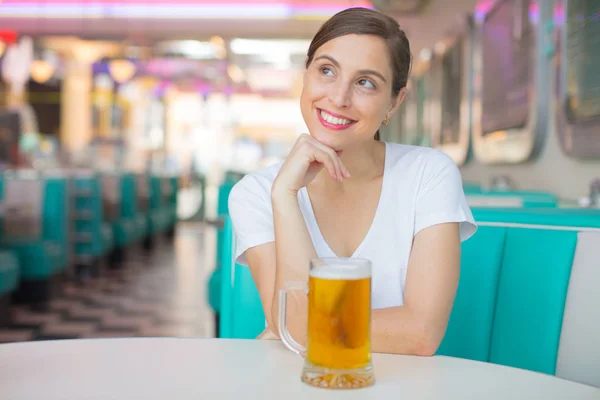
[(343, 193)]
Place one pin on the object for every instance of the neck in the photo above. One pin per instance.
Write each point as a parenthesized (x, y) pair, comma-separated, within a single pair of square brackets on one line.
[(364, 161)]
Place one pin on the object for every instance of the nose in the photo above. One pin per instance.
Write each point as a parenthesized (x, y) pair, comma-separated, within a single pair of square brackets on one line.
[(340, 94)]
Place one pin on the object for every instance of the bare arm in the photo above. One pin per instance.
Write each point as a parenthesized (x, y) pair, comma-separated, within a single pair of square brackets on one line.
[(288, 258), (418, 326)]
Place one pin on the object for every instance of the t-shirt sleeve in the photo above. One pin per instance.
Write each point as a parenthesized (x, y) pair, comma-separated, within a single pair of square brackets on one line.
[(441, 198), (251, 216)]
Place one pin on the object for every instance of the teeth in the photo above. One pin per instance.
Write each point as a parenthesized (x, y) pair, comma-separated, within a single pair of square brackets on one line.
[(333, 120)]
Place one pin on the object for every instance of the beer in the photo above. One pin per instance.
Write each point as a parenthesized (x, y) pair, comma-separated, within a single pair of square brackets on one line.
[(338, 349), (339, 317)]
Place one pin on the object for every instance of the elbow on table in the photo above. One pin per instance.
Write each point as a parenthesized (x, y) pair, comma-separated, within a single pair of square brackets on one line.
[(427, 342), (427, 348)]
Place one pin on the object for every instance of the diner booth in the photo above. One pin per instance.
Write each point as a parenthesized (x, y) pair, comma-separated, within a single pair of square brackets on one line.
[(525, 321), (529, 275)]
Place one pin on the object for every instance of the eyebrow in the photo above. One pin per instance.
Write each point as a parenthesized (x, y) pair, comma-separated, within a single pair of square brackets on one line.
[(362, 71)]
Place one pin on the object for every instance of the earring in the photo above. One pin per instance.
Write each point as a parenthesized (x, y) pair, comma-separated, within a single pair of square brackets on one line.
[(384, 123)]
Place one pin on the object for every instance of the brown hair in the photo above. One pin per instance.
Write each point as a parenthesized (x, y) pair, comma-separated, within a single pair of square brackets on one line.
[(363, 21)]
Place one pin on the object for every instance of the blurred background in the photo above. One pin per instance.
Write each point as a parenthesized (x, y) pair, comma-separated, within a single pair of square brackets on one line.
[(125, 123)]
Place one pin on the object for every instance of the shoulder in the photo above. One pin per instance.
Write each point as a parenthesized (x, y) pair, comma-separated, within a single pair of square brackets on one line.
[(256, 184), (419, 160)]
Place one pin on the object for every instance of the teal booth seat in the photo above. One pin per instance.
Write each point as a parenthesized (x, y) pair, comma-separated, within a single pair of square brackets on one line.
[(223, 253), (9, 281), (38, 237), (159, 213), (240, 310), (170, 187), (531, 298), (143, 191), (92, 236), (43, 253), (511, 198), (56, 225), (87, 217), (513, 285), (470, 326), (222, 213), (9, 272), (131, 226), (142, 217)]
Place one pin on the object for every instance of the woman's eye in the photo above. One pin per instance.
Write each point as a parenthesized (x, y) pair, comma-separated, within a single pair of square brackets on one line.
[(326, 71), (366, 83)]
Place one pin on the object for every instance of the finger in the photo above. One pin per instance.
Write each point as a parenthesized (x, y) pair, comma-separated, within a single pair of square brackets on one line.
[(314, 154), (339, 174), (335, 154), (345, 172), (340, 168), (338, 153), (325, 159)]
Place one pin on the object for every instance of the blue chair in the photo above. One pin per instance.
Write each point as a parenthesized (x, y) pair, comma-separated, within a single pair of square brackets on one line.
[(89, 230), (170, 188), (117, 232), (128, 230), (514, 282), (37, 236), (159, 217), (143, 193), (9, 282), (241, 315)]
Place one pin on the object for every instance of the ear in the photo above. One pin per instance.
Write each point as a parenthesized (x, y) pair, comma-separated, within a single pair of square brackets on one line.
[(396, 101)]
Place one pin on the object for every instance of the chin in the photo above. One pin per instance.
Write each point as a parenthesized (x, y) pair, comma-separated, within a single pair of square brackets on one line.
[(335, 140)]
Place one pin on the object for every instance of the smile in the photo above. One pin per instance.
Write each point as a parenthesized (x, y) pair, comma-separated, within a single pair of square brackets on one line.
[(335, 122)]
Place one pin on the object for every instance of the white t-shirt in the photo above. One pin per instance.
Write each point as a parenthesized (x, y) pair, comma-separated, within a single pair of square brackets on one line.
[(421, 187)]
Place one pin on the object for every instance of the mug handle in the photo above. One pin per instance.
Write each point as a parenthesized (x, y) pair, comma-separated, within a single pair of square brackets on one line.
[(284, 334)]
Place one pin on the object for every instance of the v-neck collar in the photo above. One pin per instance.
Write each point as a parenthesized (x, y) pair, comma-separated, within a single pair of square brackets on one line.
[(382, 196)]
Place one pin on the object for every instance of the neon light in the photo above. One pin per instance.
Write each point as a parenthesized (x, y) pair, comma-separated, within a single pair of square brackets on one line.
[(559, 14), (235, 3), (166, 12), (482, 8), (534, 12), (180, 9)]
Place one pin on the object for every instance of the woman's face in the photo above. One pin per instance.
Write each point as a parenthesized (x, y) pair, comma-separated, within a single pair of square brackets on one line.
[(347, 90)]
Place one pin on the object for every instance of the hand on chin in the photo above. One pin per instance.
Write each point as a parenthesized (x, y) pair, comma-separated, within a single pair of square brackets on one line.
[(328, 139)]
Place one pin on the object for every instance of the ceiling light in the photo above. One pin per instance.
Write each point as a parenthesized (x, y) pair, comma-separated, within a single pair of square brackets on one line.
[(425, 54), (41, 71), (235, 73), (121, 70), (257, 46)]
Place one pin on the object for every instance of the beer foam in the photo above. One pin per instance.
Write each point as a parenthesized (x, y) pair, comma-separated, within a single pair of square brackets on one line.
[(341, 271)]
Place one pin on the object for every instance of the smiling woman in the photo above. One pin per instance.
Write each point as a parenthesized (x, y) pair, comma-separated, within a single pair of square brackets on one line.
[(342, 193), (361, 32)]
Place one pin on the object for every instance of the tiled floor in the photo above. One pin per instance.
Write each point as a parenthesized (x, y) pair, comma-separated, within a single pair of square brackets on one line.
[(161, 294)]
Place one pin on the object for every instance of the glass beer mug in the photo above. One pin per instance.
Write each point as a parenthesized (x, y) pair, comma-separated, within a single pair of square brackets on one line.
[(338, 346)]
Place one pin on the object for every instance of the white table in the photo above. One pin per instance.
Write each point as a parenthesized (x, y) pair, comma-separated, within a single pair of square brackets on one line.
[(199, 369)]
